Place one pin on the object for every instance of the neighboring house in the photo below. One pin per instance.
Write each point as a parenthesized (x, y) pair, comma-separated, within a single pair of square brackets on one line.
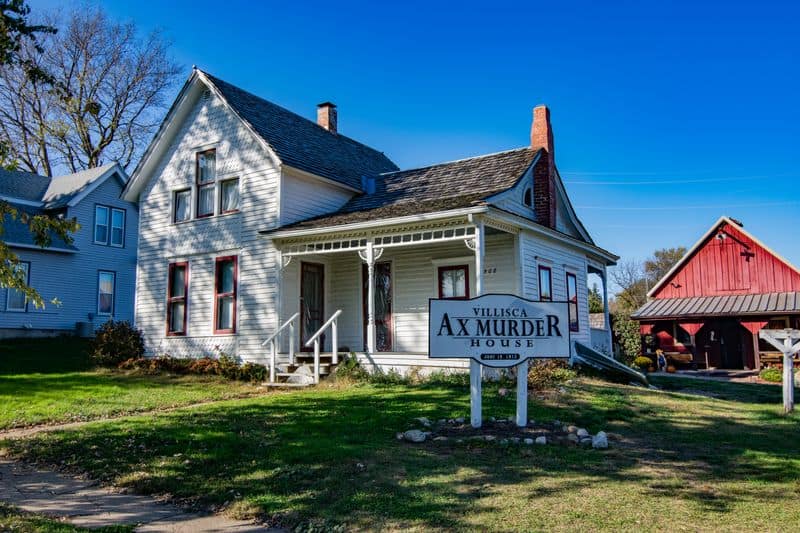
[(709, 308), (92, 278), (251, 213)]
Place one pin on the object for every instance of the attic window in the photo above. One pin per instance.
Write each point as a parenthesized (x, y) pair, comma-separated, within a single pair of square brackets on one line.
[(527, 198)]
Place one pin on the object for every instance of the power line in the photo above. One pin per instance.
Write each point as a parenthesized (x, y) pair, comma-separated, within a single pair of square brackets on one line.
[(682, 207)]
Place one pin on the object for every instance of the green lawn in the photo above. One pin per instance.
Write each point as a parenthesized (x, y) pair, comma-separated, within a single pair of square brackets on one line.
[(47, 381), (328, 455)]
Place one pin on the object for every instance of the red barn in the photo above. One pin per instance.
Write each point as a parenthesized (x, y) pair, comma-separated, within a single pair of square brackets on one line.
[(708, 309)]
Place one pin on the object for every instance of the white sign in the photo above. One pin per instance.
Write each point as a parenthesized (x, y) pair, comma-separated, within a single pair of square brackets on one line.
[(499, 330)]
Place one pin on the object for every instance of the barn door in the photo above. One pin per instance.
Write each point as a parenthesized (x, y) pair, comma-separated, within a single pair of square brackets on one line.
[(312, 302)]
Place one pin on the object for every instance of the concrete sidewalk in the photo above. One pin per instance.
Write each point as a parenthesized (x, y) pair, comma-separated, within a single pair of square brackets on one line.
[(85, 504)]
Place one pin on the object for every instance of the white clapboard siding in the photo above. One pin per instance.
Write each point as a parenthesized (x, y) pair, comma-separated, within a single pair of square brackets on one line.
[(239, 154), (304, 197)]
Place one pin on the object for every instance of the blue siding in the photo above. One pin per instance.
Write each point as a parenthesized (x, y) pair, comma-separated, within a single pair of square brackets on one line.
[(72, 278)]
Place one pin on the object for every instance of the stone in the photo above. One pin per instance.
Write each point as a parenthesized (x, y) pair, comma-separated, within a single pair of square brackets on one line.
[(556, 422), (415, 435), (528, 441), (460, 420), (531, 422), (562, 390), (489, 438), (440, 438), (503, 441), (572, 437), (514, 440), (586, 441), (503, 392), (582, 433), (491, 419), (572, 429), (600, 441), (442, 421), (399, 436), (541, 440), (424, 421)]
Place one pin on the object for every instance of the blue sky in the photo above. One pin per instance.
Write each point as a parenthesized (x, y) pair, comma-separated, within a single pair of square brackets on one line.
[(666, 114)]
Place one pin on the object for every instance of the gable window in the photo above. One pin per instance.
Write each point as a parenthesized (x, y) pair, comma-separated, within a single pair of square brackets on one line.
[(454, 282), (105, 292), (545, 284), (572, 300), (101, 213), (177, 289), (16, 299), (527, 198), (225, 295), (118, 227), (181, 205), (206, 175), (229, 196)]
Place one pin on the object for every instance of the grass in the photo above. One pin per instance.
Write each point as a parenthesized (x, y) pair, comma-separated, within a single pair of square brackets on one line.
[(13, 519), (328, 455), (46, 381)]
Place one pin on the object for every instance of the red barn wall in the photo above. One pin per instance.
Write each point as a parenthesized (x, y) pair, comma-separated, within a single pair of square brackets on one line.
[(723, 267)]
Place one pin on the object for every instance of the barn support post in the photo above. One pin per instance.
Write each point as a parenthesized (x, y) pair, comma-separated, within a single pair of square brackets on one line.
[(785, 341), (475, 388)]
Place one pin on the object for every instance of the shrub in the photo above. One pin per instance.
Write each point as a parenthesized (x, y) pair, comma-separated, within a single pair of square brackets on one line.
[(548, 373), (773, 375), (253, 372), (350, 368), (629, 336), (643, 363), (115, 342)]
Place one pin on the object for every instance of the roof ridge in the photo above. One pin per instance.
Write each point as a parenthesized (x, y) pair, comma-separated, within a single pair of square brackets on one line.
[(215, 79), (471, 158)]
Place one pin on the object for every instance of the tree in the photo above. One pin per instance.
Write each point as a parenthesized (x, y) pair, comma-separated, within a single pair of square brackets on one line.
[(108, 91), (595, 300), (662, 261), (17, 33), (629, 276)]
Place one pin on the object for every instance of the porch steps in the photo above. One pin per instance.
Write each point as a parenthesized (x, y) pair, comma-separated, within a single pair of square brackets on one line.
[(300, 374)]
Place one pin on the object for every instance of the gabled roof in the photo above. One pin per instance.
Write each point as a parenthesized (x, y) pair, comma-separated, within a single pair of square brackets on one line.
[(452, 185), (57, 192), (699, 244), (301, 143)]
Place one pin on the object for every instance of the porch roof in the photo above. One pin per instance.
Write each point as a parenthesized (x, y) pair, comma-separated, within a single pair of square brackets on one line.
[(720, 306), (453, 185)]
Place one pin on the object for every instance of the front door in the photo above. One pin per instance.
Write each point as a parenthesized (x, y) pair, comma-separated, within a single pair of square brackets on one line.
[(312, 302), (731, 344), (383, 305)]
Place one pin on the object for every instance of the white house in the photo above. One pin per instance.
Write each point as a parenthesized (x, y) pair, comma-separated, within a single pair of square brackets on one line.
[(92, 278), (250, 214)]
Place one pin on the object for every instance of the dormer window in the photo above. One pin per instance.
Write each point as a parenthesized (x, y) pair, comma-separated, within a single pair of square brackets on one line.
[(527, 197)]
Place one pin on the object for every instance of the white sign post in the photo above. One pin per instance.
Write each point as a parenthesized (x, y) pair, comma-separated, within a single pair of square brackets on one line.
[(788, 342), (498, 330)]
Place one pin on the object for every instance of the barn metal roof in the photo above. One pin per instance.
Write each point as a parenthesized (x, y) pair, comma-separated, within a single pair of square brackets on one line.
[(712, 306)]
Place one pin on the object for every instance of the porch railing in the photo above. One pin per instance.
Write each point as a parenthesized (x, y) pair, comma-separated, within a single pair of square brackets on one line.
[(272, 340), (315, 340)]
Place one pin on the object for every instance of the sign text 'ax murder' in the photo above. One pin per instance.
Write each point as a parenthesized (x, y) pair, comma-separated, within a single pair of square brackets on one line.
[(499, 330)]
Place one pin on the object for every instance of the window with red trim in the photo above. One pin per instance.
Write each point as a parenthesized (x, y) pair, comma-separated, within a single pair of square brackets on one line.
[(454, 282), (545, 284), (225, 295), (572, 300), (177, 293), (206, 177)]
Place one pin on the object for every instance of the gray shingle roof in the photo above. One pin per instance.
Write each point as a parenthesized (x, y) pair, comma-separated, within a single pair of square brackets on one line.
[(55, 192), (708, 306), (15, 232), (303, 144), (23, 185), (453, 185)]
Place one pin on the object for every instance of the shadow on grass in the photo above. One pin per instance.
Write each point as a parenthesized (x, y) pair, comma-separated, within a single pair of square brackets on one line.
[(333, 455), (53, 355)]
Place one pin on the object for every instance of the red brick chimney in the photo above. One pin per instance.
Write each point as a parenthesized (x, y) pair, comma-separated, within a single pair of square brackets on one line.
[(326, 116), (544, 173)]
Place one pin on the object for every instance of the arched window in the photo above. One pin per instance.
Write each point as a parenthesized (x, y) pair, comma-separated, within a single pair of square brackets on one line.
[(526, 199)]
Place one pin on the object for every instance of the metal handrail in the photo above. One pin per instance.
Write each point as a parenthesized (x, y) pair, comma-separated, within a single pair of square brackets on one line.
[(274, 345), (333, 324)]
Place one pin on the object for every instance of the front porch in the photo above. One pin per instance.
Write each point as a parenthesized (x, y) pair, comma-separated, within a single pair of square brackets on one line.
[(379, 281)]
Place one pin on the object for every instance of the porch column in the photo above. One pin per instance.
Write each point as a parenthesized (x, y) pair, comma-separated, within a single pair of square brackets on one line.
[(606, 314), (474, 366), (370, 260)]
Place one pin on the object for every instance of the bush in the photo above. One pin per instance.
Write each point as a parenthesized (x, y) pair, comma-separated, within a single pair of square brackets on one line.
[(349, 368), (773, 375), (642, 363), (115, 342), (226, 366), (548, 373)]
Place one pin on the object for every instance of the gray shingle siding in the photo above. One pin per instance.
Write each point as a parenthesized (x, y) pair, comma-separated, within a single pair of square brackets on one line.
[(72, 278)]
